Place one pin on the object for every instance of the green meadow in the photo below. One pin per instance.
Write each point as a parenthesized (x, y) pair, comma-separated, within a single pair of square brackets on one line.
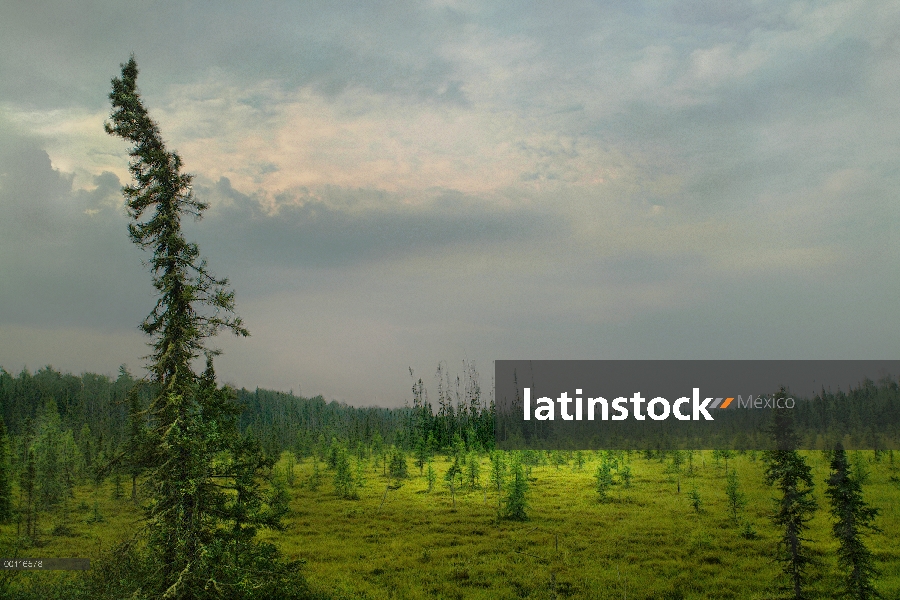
[(668, 534)]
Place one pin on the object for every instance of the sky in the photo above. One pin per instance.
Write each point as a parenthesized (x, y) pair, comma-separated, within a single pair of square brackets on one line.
[(398, 185)]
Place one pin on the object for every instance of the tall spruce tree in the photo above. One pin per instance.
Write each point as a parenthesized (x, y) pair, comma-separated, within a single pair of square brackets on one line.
[(135, 443), (6, 507), (192, 421), (789, 473), (852, 520)]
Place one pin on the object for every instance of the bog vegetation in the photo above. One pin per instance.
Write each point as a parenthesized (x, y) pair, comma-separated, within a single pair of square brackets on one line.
[(362, 519), (178, 487)]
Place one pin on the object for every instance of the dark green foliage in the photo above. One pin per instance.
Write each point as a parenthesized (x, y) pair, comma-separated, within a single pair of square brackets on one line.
[(604, 481), (625, 476), (27, 509), (117, 492), (96, 516), (430, 476), (332, 453), (515, 503), (473, 471), (748, 532), (422, 453), (788, 472), (179, 323), (696, 501), (558, 458), (579, 460), (498, 469), (206, 502), (6, 506), (853, 519), (136, 449), (345, 483), (736, 499), (48, 459), (398, 468), (113, 415), (315, 480), (123, 572), (454, 473)]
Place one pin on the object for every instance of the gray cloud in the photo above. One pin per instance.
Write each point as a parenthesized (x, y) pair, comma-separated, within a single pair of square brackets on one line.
[(332, 230), (684, 180), (58, 54), (66, 257)]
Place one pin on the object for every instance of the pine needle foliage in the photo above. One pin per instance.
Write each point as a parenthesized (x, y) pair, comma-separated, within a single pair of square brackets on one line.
[(6, 505), (788, 472), (853, 519), (737, 500), (515, 502), (205, 501)]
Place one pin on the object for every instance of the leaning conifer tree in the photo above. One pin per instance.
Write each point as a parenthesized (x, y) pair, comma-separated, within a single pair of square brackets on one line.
[(852, 520), (786, 470), (192, 513)]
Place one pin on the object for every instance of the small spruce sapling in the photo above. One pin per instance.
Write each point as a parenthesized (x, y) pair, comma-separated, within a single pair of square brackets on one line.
[(452, 478), (579, 460), (604, 481), (430, 476), (625, 476), (696, 501), (736, 499), (473, 471), (515, 504)]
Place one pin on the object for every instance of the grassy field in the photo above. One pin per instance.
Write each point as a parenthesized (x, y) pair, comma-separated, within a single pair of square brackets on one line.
[(647, 541)]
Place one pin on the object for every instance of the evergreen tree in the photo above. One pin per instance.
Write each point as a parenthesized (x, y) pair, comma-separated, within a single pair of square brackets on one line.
[(398, 469), (515, 504), (430, 476), (344, 479), (6, 509), (192, 420), (696, 500), (135, 450), (86, 447), (736, 499), (27, 496), (625, 476), (853, 518), (787, 470), (422, 454), (579, 460), (70, 460), (473, 470), (452, 478), (604, 480), (498, 469), (48, 455)]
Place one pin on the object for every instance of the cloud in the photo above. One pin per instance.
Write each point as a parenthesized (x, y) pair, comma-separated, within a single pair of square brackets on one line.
[(413, 182), (335, 227)]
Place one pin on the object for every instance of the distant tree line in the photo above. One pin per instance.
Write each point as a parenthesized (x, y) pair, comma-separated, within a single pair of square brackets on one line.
[(94, 411)]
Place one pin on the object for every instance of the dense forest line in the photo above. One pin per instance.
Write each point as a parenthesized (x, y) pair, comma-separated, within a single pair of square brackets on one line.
[(92, 413)]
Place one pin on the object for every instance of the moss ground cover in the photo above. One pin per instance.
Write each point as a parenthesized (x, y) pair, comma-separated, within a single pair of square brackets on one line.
[(645, 540)]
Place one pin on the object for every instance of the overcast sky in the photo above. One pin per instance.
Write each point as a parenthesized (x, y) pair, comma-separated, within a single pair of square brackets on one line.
[(397, 184)]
